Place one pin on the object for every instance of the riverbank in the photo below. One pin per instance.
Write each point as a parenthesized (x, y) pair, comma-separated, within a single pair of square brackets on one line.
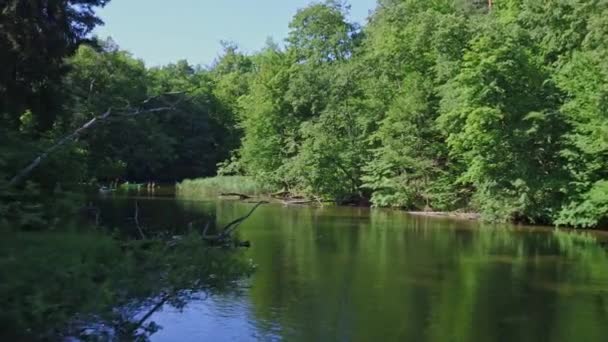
[(448, 214), (245, 188), (216, 186)]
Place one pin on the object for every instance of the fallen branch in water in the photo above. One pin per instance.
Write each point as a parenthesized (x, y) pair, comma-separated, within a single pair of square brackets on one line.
[(234, 194), (297, 201), (136, 219), (280, 194), (226, 233), (108, 114), (456, 215)]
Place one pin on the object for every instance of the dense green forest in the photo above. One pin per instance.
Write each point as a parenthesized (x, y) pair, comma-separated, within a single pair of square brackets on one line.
[(496, 107)]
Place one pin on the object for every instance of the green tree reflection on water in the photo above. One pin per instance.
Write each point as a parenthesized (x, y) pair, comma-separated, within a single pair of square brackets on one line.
[(356, 274), (322, 274)]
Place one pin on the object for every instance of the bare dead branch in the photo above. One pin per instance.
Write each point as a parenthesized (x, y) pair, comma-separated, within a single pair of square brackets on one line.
[(230, 227), (207, 225), (235, 194), (227, 231), (136, 219)]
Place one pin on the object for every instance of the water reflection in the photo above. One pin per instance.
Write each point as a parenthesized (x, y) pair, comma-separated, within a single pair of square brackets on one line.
[(326, 274)]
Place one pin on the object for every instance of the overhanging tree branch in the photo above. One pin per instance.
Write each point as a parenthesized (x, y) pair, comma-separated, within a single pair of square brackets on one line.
[(128, 111)]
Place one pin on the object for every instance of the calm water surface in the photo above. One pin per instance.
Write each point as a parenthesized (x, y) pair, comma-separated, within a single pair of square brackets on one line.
[(353, 274)]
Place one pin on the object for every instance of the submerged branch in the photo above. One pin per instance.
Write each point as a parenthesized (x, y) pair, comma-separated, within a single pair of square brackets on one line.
[(235, 194), (229, 228), (136, 218)]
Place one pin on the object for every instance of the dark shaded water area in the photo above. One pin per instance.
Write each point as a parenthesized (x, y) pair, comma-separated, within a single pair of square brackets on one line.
[(358, 274)]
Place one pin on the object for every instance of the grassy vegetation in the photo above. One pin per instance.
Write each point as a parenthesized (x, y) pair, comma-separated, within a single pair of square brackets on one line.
[(214, 186), (126, 186)]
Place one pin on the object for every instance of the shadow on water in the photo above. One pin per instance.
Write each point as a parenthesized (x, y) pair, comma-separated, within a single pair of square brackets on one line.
[(157, 214)]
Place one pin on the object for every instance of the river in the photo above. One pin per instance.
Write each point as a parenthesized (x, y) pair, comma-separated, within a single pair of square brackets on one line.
[(359, 274)]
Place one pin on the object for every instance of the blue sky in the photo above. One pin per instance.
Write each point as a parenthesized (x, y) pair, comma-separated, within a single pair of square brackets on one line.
[(160, 31)]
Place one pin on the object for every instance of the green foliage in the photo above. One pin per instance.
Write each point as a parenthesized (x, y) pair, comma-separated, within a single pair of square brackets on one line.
[(434, 105), (411, 167), (299, 132), (584, 77), (48, 196), (587, 210), (268, 127), (50, 86), (320, 34), (35, 38), (186, 142), (127, 186), (232, 72), (94, 278), (501, 118), (437, 105)]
